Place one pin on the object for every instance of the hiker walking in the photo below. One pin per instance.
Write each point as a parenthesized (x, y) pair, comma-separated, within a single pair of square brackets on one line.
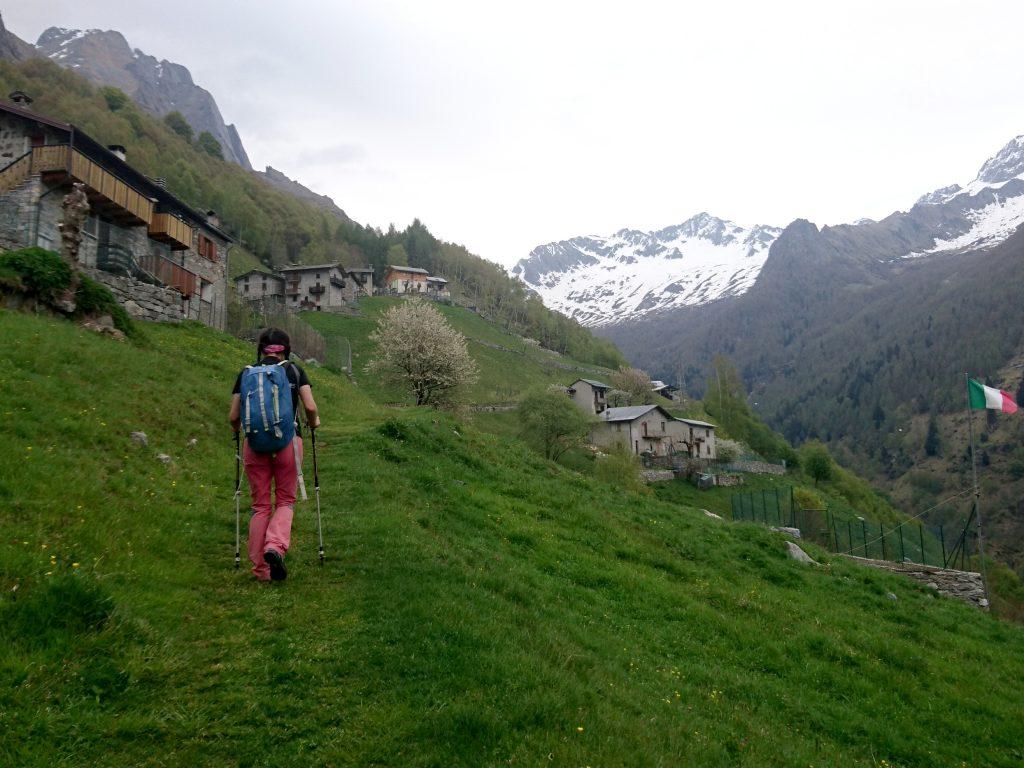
[(264, 407)]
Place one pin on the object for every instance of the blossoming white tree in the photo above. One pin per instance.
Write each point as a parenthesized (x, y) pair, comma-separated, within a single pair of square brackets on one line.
[(418, 350)]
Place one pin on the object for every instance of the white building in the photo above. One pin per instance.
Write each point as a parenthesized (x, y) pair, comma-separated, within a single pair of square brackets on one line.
[(590, 395)]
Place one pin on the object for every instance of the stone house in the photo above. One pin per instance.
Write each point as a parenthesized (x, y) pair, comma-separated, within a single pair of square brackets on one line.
[(652, 430), (437, 288), (317, 287), (363, 277), (694, 438), (590, 395), (259, 286), (404, 280), (163, 260)]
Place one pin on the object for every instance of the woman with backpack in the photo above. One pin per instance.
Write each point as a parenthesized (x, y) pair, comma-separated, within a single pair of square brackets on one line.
[(264, 406)]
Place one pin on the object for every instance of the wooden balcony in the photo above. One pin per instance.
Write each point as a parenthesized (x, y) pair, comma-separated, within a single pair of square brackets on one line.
[(170, 274), (317, 290), (108, 195), (169, 229)]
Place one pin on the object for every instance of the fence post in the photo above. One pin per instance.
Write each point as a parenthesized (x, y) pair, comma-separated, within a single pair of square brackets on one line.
[(920, 533), (903, 552), (942, 542), (864, 535), (778, 509), (849, 534), (881, 535), (792, 506)]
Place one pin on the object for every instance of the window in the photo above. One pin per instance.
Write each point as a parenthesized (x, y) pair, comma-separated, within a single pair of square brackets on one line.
[(91, 225), (317, 275), (207, 248), (246, 286), (663, 426)]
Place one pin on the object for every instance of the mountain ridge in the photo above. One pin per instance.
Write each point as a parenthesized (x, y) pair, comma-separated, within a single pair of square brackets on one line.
[(583, 276)]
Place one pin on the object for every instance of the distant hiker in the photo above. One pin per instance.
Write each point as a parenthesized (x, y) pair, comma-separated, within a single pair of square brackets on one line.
[(273, 446)]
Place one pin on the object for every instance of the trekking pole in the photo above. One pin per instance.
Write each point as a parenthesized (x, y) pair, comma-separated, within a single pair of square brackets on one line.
[(238, 490), (316, 488)]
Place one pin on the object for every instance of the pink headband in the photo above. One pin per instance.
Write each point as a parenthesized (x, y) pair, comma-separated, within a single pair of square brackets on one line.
[(273, 349)]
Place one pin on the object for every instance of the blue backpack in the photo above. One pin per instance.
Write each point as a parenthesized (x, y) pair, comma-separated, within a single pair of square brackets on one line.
[(268, 420)]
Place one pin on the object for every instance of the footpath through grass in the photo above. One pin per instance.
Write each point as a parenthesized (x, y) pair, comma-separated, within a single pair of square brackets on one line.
[(479, 606)]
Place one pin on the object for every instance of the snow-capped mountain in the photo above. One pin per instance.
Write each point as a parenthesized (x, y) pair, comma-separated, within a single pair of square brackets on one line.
[(598, 280), (602, 281)]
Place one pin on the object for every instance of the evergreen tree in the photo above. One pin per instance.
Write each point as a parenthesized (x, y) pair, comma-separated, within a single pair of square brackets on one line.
[(210, 145), (931, 440), (177, 123)]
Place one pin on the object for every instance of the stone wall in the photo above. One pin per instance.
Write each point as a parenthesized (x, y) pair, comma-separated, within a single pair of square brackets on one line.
[(657, 475), (728, 480), (17, 208), (142, 301), (754, 467), (963, 585)]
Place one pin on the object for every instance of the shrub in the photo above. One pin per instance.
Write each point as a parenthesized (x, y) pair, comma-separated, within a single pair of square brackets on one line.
[(807, 499), (551, 422), (92, 299), (619, 467), (42, 273), (816, 462)]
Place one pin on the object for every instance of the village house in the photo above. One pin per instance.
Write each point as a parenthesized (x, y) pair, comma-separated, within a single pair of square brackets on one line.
[(259, 286), (317, 287), (403, 280), (363, 277), (665, 390), (650, 429), (162, 259), (437, 288), (590, 395)]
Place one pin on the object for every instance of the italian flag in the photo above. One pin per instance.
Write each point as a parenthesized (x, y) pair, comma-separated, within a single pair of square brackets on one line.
[(982, 397)]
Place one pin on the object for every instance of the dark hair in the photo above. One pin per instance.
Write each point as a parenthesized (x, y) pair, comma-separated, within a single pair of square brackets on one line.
[(273, 336)]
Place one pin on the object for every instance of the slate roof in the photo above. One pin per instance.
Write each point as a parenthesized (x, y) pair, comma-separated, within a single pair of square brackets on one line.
[(629, 413), (593, 383)]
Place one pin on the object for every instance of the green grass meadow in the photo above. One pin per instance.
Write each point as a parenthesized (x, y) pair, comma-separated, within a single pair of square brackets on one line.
[(479, 606)]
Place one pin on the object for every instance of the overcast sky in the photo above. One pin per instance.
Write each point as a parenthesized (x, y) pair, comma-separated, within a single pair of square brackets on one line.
[(504, 126)]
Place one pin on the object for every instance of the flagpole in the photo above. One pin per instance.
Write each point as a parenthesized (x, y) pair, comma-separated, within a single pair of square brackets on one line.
[(977, 490)]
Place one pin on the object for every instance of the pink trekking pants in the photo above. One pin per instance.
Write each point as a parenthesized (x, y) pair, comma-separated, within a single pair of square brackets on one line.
[(270, 526)]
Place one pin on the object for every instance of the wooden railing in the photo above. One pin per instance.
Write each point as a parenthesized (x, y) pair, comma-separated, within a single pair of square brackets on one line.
[(170, 274), (15, 173), (106, 185), (170, 229)]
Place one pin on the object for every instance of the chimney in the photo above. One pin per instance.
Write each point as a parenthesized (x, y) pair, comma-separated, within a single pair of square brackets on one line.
[(20, 99), (118, 150), (212, 219)]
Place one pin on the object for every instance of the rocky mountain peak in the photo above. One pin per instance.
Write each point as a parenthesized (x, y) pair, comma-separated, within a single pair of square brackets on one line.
[(1007, 164), (106, 58)]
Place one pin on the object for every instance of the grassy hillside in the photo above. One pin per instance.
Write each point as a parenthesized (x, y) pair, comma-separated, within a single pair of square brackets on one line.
[(479, 606), (508, 364)]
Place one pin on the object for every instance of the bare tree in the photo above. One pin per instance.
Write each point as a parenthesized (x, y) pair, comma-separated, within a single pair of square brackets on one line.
[(417, 349)]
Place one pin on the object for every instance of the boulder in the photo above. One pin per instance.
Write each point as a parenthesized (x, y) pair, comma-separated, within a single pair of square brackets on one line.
[(139, 438), (798, 554), (163, 457), (711, 514), (794, 532)]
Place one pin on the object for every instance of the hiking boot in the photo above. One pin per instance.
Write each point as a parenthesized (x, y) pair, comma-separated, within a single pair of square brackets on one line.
[(277, 570)]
